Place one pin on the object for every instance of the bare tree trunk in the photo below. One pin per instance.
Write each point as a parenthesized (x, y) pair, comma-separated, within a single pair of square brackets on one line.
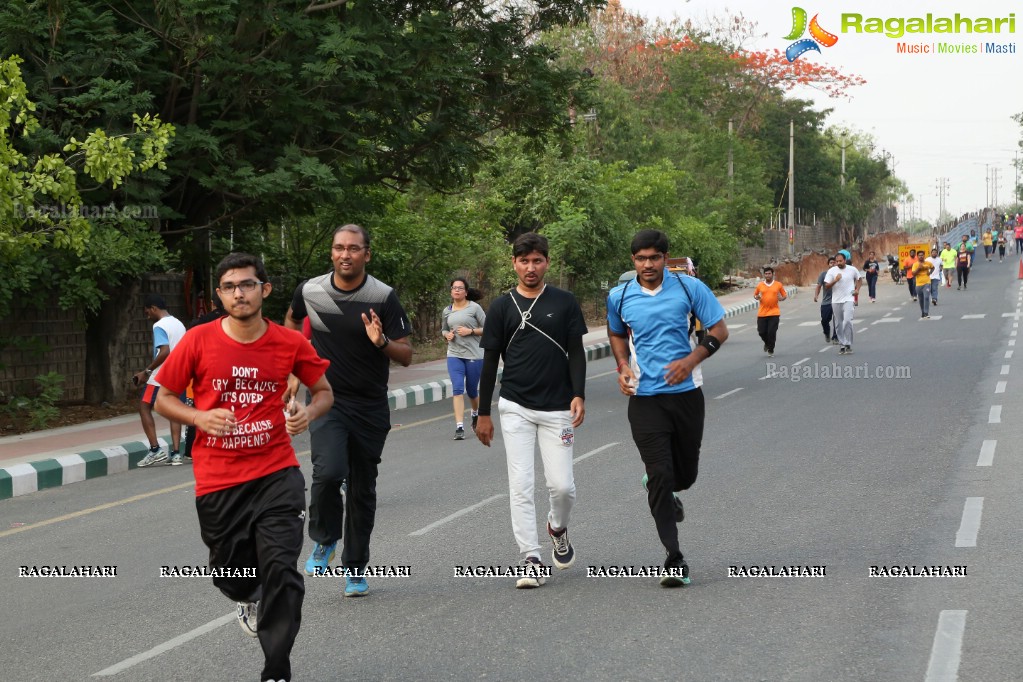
[(107, 345)]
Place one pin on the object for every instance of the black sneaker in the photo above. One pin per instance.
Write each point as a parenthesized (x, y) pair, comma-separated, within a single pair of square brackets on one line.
[(534, 574), (460, 433), (848, 350), (676, 573), (826, 337), (841, 350), (475, 418), (770, 353), (563, 555)]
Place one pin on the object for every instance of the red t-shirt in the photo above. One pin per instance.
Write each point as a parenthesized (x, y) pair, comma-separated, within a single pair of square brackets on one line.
[(250, 379)]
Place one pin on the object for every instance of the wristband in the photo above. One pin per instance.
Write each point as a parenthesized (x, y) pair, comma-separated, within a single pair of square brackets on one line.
[(384, 344), (620, 365), (711, 344)]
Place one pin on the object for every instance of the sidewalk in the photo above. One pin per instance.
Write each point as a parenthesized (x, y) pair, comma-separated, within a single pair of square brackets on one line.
[(56, 457)]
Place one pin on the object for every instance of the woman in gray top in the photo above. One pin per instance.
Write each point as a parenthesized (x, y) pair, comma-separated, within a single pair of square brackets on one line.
[(462, 328)]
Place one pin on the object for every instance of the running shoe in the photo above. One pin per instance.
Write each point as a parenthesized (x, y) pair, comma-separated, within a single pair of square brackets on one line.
[(175, 459), (319, 560), (475, 418), (248, 617), (460, 433), (841, 350), (678, 573), (770, 353), (848, 350), (155, 456), (563, 555), (534, 574), (355, 586)]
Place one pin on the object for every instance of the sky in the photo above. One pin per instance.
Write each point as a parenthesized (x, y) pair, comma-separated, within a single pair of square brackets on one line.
[(939, 115)]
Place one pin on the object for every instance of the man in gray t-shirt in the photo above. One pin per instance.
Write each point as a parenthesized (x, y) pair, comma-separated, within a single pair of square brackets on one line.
[(826, 312)]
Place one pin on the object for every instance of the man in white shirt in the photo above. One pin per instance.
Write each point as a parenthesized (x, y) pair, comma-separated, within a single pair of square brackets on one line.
[(935, 260), (844, 281), (167, 331)]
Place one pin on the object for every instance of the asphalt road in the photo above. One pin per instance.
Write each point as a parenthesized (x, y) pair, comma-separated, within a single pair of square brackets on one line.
[(844, 474)]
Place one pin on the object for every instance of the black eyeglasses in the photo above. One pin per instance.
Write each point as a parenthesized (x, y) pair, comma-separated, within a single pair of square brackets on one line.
[(246, 287)]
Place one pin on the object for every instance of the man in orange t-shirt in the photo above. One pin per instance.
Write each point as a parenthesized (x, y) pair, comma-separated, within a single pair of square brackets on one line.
[(768, 293)]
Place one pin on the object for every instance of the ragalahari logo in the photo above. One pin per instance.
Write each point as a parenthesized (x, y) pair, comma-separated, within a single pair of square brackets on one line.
[(818, 35)]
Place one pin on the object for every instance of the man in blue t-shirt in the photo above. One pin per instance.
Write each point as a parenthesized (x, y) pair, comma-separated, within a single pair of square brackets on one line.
[(666, 410)]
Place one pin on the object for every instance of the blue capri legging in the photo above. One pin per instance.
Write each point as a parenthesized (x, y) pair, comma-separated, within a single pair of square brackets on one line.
[(465, 376)]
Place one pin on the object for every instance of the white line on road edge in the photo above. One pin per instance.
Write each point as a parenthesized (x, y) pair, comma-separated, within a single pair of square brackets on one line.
[(947, 648), (1000, 386), (725, 395), (166, 646), (452, 517), (994, 416), (1005, 370), (966, 536), (591, 453), (987, 453)]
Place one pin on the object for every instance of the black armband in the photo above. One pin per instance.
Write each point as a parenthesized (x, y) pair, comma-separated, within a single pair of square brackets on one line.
[(711, 344)]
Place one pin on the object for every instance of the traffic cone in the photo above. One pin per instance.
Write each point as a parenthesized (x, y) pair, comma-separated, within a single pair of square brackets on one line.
[(1020, 275)]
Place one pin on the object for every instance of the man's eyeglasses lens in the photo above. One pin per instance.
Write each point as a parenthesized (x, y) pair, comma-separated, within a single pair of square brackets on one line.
[(354, 250), (247, 287), (656, 258)]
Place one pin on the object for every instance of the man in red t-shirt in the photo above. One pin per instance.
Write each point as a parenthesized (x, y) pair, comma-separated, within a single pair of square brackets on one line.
[(250, 493)]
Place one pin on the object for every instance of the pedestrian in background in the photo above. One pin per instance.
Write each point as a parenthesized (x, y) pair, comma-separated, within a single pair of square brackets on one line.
[(462, 328)]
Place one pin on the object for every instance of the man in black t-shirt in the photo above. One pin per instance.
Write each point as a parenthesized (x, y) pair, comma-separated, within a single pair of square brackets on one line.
[(359, 326), (538, 329)]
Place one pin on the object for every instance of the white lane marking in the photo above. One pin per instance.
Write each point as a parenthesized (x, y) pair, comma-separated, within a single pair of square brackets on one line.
[(973, 317), (809, 324), (736, 326), (1008, 354), (165, 647), (995, 415), (1000, 386), (947, 648), (966, 536), (1015, 325), (796, 364), (591, 453), (1012, 342), (935, 317), (859, 331), (1014, 332), (457, 514), (825, 349), (987, 453), (1005, 370), (887, 319), (889, 314), (725, 395), (1016, 314)]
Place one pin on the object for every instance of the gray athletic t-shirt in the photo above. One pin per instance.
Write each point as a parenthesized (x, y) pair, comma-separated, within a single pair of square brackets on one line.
[(471, 316), (826, 300)]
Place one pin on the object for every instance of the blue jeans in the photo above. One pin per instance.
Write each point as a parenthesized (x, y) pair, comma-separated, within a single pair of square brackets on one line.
[(935, 288), (923, 294), (872, 285)]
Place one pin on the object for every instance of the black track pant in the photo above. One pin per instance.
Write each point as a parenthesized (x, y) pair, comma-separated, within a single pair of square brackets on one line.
[(767, 327), (346, 444), (962, 274), (260, 525), (668, 430)]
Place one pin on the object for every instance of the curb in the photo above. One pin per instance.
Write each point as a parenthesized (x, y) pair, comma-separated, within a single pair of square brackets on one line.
[(29, 477)]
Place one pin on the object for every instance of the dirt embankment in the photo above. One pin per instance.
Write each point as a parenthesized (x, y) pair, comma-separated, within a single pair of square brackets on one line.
[(805, 272)]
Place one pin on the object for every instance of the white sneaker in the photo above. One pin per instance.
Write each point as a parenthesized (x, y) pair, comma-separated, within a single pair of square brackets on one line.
[(153, 457), (248, 617), (175, 459)]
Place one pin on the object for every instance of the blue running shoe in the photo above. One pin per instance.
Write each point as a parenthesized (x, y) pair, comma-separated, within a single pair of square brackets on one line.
[(355, 587), (319, 560)]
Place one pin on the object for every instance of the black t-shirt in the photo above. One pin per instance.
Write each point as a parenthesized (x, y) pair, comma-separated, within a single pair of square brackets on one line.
[(535, 367), (871, 267), (358, 370)]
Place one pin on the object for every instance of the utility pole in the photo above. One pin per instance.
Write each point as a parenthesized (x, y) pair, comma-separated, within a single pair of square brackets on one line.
[(987, 185), (994, 186), (843, 160), (942, 191), (792, 181)]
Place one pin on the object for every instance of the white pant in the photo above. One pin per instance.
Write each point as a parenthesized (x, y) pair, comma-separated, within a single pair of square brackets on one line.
[(843, 313), (522, 428)]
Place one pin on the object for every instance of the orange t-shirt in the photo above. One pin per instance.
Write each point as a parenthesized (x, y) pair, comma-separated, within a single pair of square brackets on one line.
[(769, 294)]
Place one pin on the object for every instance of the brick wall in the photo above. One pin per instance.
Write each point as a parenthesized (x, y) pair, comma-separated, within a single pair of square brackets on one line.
[(55, 340)]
